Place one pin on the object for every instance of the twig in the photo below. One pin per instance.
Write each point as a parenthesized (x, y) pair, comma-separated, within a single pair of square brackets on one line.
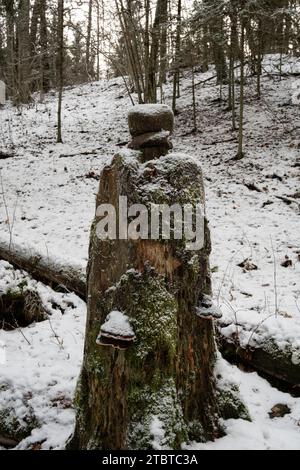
[(59, 341), (225, 273), (10, 225), (275, 278), (86, 152), (258, 326), (16, 326)]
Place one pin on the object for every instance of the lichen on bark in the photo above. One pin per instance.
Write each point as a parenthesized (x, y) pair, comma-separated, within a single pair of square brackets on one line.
[(231, 406)]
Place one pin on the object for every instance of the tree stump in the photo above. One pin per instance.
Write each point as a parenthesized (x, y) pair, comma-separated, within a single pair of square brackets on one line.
[(147, 377)]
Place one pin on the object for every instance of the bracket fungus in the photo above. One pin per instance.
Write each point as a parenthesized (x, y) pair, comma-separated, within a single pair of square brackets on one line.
[(116, 331), (208, 309)]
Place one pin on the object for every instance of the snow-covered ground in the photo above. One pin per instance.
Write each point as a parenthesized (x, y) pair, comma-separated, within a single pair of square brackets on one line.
[(40, 364), (262, 433), (49, 201)]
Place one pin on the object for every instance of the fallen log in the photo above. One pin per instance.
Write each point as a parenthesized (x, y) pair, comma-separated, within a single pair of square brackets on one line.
[(288, 200), (268, 360), (76, 154), (50, 272), (7, 442), (5, 155), (284, 74)]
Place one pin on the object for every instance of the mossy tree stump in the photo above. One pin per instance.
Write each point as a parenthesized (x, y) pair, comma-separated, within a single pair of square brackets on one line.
[(160, 389)]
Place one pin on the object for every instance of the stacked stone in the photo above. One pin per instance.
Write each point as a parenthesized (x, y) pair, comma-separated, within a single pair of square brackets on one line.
[(151, 127)]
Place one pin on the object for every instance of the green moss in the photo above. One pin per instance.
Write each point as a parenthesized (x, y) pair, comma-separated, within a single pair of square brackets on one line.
[(230, 404), (157, 418), (14, 294), (152, 311), (153, 317), (20, 306), (80, 401), (196, 431), (180, 181), (271, 347), (13, 428), (23, 284)]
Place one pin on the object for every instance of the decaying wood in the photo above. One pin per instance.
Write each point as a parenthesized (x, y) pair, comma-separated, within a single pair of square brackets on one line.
[(267, 360), (7, 442), (5, 155), (289, 200), (47, 271), (20, 308)]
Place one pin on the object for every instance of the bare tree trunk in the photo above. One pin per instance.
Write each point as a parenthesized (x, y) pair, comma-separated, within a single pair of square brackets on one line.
[(34, 26), (232, 80), (233, 55), (23, 52), (10, 29), (216, 30), (240, 153), (39, 37), (177, 57), (259, 58), (60, 66), (98, 39), (163, 42), (147, 41), (131, 56), (89, 66), (194, 100), (205, 48), (136, 41), (45, 62), (151, 91)]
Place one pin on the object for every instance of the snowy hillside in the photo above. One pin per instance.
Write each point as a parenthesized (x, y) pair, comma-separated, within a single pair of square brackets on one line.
[(48, 203)]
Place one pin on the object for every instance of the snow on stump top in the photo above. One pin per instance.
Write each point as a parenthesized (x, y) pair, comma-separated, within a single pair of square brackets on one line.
[(150, 126)]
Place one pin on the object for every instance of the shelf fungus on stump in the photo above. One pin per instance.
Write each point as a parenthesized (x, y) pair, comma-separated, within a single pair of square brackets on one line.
[(116, 331), (207, 309)]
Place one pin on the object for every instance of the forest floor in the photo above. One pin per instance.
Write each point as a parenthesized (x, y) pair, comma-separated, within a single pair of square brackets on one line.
[(47, 202)]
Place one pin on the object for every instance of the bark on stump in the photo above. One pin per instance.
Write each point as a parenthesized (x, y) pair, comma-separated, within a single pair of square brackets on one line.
[(163, 382)]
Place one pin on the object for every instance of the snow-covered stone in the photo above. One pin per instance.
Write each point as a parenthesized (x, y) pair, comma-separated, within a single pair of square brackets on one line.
[(145, 118)]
